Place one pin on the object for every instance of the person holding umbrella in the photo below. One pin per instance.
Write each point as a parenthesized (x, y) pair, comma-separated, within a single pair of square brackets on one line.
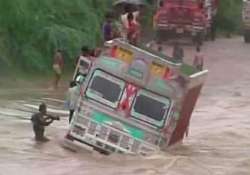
[(133, 31)]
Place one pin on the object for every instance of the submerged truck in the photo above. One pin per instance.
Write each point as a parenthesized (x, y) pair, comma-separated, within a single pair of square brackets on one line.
[(246, 20), (134, 101), (185, 19)]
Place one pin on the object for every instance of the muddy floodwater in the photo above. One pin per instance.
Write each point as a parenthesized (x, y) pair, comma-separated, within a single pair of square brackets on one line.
[(218, 142)]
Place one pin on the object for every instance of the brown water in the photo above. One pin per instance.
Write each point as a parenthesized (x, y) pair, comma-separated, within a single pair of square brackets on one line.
[(218, 142)]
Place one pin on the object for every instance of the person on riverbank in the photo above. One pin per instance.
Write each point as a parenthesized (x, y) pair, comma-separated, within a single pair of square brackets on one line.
[(198, 59), (157, 14), (133, 30), (108, 28), (58, 64), (40, 120), (124, 19), (157, 36), (178, 52)]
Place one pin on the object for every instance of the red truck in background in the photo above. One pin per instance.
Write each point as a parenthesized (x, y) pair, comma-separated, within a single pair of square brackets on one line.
[(185, 18)]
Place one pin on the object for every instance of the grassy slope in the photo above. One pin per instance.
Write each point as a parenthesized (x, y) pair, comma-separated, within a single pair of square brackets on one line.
[(31, 30)]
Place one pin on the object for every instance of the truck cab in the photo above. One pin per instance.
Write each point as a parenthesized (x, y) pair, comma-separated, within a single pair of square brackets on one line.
[(134, 102)]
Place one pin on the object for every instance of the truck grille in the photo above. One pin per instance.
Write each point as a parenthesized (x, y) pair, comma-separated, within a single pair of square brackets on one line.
[(135, 146), (82, 121), (107, 137), (113, 136), (125, 142), (103, 133), (92, 128)]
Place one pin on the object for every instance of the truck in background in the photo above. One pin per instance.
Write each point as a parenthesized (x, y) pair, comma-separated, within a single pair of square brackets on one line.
[(246, 20), (185, 19)]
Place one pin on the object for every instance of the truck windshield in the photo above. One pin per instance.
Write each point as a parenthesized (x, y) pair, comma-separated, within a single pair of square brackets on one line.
[(150, 108), (105, 88)]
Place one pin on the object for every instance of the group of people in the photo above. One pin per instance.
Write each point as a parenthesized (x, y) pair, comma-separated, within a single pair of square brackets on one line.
[(198, 61), (127, 27), (41, 119)]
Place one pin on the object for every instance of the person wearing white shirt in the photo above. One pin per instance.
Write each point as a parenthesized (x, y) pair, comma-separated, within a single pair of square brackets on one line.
[(124, 19)]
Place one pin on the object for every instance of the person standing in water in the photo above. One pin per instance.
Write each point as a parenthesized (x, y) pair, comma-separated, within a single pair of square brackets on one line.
[(40, 120), (72, 97)]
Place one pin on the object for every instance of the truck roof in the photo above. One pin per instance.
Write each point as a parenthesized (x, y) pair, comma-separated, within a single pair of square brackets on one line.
[(142, 50), (151, 55)]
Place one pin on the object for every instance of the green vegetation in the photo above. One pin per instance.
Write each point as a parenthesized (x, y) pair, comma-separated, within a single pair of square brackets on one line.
[(229, 16), (30, 31)]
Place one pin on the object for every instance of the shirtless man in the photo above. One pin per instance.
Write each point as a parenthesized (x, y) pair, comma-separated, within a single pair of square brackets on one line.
[(40, 120), (58, 64)]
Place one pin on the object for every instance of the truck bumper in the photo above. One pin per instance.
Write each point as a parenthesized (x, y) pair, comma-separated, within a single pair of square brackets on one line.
[(178, 32), (78, 145), (91, 142)]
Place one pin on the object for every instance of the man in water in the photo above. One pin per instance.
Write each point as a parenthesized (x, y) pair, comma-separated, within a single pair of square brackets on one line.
[(72, 96), (40, 120)]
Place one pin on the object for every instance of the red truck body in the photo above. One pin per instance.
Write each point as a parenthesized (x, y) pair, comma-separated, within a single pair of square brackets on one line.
[(190, 18)]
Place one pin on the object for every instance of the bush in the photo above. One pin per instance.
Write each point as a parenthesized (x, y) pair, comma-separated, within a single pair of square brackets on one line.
[(32, 30), (229, 15)]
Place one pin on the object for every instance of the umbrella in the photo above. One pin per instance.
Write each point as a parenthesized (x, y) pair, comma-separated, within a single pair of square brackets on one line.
[(132, 2)]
